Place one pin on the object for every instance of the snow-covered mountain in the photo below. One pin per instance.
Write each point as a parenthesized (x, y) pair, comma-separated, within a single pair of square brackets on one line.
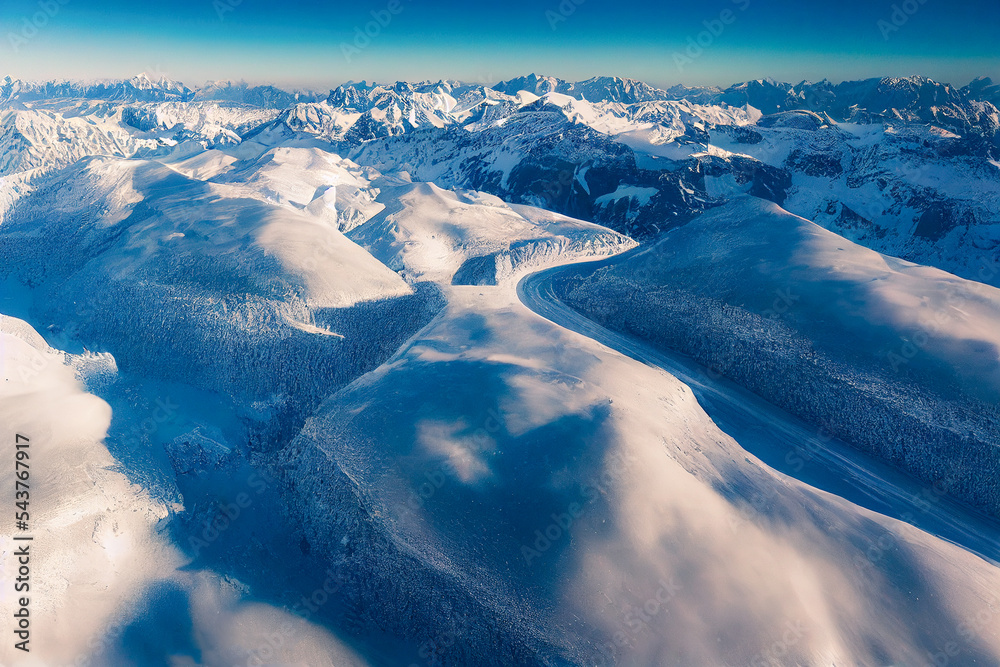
[(896, 164), (864, 344), (328, 379), (597, 89), (267, 97), (140, 88)]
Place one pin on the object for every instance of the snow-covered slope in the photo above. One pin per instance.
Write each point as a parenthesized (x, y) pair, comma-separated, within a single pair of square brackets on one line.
[(93, 531), (243, 297), (324, 184), (33, 139), (901, 165), (573, 157), (468, 238), (267, 97), (106, 585), (301, 411), (921, 193), (564, 504), (51, 136), (901, 359)]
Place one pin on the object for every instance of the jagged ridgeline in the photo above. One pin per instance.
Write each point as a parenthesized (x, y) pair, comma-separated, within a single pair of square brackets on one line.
[(906, 166), (291, 351)]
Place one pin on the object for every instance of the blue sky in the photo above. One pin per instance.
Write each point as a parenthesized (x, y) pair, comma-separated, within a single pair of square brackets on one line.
[(313, 44)]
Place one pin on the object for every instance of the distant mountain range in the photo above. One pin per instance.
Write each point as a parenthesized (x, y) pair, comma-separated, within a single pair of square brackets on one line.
[(331, 379), (914, 97), (906, 166), (145, 88)]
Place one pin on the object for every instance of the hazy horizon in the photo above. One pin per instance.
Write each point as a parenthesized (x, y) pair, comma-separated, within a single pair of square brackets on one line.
[(302, 44), (322, 88)]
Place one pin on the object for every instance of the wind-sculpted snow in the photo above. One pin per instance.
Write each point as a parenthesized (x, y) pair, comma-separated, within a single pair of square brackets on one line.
[(900, 359)]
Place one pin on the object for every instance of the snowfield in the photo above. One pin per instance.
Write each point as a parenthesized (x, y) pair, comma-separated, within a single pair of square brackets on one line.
[(544, 373)]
